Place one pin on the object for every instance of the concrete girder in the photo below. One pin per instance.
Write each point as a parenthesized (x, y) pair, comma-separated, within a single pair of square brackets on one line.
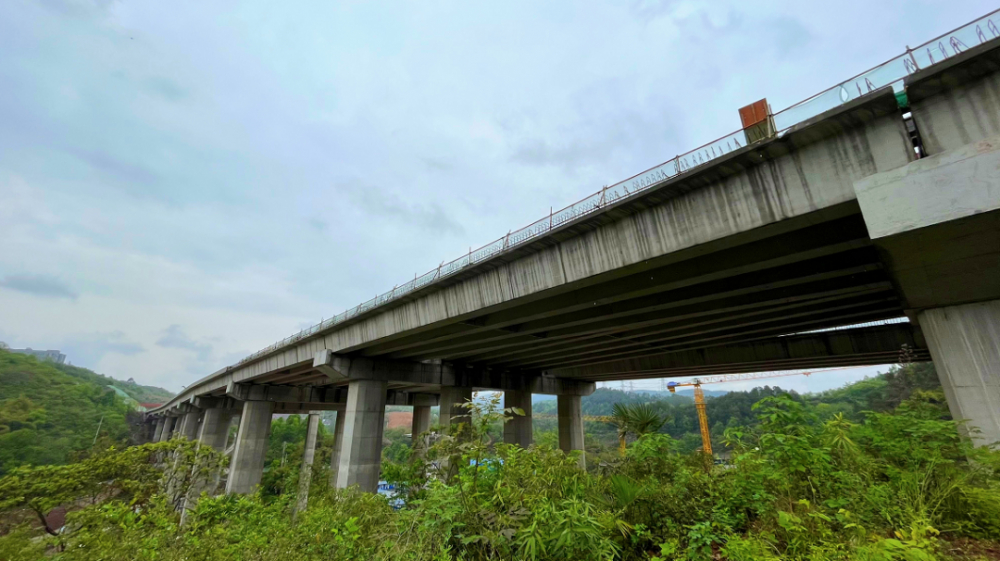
[(728, 337), (348, 368), (716, 323), (845, 266), (813, 242), (556, 332), (777, 353)]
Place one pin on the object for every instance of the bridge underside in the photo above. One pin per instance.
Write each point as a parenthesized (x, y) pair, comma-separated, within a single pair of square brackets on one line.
[(723, 308)]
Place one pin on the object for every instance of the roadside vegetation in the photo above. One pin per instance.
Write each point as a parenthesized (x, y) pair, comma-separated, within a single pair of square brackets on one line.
[(895, 482)]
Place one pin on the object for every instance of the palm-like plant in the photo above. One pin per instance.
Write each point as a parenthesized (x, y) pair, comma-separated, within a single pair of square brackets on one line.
[(637, 419)]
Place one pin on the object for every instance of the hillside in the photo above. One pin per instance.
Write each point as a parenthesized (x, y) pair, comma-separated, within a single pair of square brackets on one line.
[(50, 413)]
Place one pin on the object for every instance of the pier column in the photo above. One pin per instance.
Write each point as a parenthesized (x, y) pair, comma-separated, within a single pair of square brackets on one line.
[(421, 424), (452, 415), (964, 342), (214, 430), (338, 441), (308, 455), (168, 428), (518, 429), (571, 425), (188, 427), (247, 464), (159, 429), (361, 452)]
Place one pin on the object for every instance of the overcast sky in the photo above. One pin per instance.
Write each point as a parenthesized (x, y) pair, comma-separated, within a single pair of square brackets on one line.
[(185, 182)]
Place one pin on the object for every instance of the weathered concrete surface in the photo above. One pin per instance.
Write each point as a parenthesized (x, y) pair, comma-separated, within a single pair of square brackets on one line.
[(215, 427), (452, 412), (848, 347), (338, 445), (947, 186), (421, 424), (518, 429), (965, 343), (957, 102), (364, 421), (305, 471), (189, 424), (247, 464), (571, 425), (168, 428), (158, 431)]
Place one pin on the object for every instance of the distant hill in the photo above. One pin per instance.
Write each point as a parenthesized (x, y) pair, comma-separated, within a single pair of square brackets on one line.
[(50, 413)]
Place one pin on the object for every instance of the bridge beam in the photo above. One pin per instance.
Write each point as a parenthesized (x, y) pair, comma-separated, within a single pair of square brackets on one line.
[(341, 368)]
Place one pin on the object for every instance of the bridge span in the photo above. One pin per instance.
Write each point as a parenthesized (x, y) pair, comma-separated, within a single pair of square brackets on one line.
[(790, 251)]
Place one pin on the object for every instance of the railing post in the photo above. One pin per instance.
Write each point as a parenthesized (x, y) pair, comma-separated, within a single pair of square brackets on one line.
[(550, 218)]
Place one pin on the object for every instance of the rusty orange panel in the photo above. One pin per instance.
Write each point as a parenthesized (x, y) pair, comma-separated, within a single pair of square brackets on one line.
[(754, 113)]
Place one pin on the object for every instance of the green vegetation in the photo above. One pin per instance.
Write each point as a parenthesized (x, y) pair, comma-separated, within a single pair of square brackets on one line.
[(50, 413), (855, 474)]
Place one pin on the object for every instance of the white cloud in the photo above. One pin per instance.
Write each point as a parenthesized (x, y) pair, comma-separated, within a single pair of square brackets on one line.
[(242, 168)]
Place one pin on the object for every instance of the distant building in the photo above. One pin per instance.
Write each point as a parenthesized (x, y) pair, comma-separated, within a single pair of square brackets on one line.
[(54, 356)]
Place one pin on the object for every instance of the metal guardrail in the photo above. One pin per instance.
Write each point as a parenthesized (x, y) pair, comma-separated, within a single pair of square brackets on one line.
[(889, 73)]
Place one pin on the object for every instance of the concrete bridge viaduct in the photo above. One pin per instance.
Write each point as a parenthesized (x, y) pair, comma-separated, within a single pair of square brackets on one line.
[(760, 259)]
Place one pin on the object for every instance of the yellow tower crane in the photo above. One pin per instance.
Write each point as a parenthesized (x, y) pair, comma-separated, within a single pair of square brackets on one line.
[(699, 395)]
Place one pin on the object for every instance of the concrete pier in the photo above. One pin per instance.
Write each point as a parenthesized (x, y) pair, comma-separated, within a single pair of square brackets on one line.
[(168, 428), (188, 427), (158, 431), (450, 413), (338, 442), (214, 429), (421, 424), (247, 465), (571, 425), (965, 345), (518, 429), (305, 471), (364, 421)]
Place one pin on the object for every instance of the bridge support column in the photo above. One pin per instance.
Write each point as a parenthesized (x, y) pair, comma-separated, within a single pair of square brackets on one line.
[(571, 425), (338, 441), (421, 424), (158, 431), (361, 451), (964, 342), (188, 427), (518, 430), (451, 414), (168, 428), (214, 430), (305, 472), (247, 464)]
